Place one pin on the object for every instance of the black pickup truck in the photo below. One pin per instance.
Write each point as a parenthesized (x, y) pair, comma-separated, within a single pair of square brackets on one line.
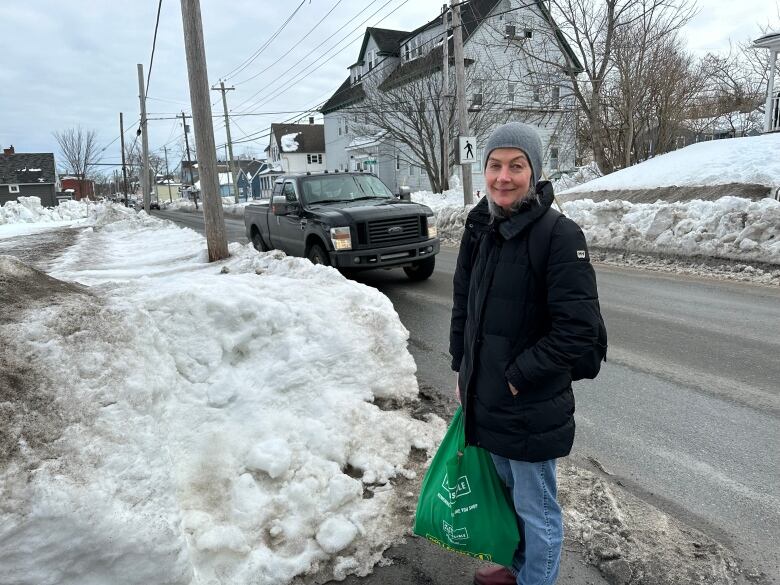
[(351, 221)]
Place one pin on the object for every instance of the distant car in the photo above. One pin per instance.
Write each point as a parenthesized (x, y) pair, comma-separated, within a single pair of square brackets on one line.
[(154, 205)]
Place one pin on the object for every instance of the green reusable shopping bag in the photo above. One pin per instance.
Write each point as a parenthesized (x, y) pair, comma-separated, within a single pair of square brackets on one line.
[(464, 506)]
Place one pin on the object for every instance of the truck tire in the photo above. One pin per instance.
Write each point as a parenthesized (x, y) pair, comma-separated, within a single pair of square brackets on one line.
[(257, 241), (421, 270), (317, 255)]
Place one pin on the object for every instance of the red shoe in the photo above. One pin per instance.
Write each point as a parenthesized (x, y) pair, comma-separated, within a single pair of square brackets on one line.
[(494, 575)]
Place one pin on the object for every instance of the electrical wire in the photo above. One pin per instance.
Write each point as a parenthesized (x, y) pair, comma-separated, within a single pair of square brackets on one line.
[(306, 35), (154, 45), (262, 47)]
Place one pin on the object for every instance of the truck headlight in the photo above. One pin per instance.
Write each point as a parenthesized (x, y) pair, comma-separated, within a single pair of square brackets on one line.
[(341, 238), (432, 229)]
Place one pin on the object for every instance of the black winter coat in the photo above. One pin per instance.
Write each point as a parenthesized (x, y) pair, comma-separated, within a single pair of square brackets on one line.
[(507, 326)]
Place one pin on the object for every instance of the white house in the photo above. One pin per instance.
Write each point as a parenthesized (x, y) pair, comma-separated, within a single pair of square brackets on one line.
[(297, 148), (503, 84), (770, 41)]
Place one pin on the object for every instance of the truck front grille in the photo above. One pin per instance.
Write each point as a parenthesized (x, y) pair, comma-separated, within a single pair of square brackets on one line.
[(387, 232)]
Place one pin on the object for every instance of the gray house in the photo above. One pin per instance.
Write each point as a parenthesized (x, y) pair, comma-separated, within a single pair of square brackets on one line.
[(27, 175), (385, 117)]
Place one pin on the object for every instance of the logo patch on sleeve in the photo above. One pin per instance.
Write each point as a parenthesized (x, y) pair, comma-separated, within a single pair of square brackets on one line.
[(581, 254)]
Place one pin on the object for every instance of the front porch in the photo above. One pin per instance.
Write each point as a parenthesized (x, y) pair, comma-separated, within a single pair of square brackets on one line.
[(771, 41)]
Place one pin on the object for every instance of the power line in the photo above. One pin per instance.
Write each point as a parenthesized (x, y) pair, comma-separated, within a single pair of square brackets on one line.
[(295, 46), (154, 45), (322, 43), (262, 47)]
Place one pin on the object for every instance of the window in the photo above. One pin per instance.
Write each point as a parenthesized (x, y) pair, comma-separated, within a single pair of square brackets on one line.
[(528, 33), (537, 95), (314, 159), (339, 130), (406, 52), (510, 91), (13, 188), (556, 95), (476, 98), (346, 126), (289, 192), (477, 168), (554, 157), (370, 60), (397, 161)]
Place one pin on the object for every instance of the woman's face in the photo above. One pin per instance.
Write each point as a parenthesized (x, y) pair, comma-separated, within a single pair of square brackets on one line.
[(508, 176)]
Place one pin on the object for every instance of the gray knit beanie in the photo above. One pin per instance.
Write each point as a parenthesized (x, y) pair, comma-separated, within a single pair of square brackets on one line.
[(518, 135)]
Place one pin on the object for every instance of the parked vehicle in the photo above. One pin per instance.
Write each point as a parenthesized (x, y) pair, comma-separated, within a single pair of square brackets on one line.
[(351, 221)]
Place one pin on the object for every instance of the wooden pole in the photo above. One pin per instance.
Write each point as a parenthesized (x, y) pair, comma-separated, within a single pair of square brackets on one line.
[(214, 218), (144, 141), (460, 94), (445, 105), (223, 89), (122, 140)]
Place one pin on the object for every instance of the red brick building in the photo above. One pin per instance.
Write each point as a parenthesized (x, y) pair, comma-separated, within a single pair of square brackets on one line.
[(75, 186)]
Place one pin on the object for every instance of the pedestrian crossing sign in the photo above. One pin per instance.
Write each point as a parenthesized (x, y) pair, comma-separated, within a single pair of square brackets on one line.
[(467, 150)]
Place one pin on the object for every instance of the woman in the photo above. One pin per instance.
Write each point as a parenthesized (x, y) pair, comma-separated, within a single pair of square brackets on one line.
[(514, 337)]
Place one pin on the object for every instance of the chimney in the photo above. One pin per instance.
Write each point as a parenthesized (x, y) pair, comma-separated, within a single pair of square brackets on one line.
[(10, 149), (311, 119)]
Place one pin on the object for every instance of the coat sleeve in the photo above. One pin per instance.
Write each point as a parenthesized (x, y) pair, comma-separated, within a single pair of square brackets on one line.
[(573, 308), (460, 294)]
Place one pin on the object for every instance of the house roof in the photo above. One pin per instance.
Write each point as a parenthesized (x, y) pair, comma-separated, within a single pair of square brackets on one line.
[(346, 95), (417, 68), (387, 41), (25, 167), (311, 137), (472, 15)]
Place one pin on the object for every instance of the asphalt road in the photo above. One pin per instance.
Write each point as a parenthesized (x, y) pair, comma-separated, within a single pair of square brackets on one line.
[(686, 413)]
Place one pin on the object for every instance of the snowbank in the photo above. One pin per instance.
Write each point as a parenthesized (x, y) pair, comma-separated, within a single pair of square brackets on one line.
[(204, 422), (731, 227), (751, 160), (30, 210), (228, 205)]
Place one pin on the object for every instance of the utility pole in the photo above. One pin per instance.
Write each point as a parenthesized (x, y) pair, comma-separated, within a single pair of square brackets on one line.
[(145, 140), (214, 218), (187, 145), (460, 94), (223, 89), (122, 140), (445, 104), (167, 174)]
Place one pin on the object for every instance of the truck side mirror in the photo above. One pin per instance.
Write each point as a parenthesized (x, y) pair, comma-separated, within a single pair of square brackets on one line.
[(404, 193), (281, 206)]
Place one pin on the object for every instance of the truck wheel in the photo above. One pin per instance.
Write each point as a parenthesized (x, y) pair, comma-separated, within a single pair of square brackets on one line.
[(317, 255), (257, 241), (421, 270)]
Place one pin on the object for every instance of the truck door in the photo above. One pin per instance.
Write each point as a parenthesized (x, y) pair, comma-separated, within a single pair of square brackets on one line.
[(289, 234)]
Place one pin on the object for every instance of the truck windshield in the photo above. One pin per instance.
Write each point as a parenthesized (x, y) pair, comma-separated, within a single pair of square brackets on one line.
[(323, 189)]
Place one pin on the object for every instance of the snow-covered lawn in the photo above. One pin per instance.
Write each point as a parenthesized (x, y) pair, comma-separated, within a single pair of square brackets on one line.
[(751, 160), (176, 421)]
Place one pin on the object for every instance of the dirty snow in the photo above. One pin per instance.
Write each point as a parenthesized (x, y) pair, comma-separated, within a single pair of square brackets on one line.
[(203, 422)]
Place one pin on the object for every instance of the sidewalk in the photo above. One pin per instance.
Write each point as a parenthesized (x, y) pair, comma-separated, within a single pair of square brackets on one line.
[(419, 562)]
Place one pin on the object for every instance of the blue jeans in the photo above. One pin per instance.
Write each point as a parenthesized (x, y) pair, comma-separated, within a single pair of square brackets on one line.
[(534, 490)]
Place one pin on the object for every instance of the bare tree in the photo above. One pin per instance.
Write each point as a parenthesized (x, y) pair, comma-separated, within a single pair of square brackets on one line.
[(79, 149), (405, 110)]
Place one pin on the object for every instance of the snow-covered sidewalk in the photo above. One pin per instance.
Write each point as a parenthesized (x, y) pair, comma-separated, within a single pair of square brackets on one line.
[(187, 422)]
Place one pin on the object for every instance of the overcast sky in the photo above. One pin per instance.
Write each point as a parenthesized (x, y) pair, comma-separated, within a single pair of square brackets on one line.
[(69, 63)]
